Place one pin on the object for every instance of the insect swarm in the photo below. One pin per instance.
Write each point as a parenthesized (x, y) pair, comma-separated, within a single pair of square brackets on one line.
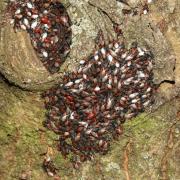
[(49, 26), (88, 108)]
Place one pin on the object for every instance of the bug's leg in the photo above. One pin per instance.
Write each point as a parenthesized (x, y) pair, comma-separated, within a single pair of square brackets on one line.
[(99, 41), (117, 30)]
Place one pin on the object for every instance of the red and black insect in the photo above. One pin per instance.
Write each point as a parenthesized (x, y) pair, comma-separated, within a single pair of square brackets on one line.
[(49, 167)]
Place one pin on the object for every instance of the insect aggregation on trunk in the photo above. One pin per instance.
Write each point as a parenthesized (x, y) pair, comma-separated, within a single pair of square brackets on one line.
[(88, 109), (111, 85)]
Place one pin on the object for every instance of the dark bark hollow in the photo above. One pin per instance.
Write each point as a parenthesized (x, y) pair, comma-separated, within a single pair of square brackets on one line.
[(19, 61)]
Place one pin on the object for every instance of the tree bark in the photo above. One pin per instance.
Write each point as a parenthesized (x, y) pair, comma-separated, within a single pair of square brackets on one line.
[(150, 145)]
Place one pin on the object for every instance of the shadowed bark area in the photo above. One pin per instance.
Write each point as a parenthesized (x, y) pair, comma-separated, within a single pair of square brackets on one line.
[(150, 145)]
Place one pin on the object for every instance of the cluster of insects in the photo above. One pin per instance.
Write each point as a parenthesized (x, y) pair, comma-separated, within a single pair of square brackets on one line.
[(88, 108), (111, 85), (49, 27)]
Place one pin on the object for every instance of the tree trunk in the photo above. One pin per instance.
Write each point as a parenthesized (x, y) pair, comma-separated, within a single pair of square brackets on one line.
[(150, 145)]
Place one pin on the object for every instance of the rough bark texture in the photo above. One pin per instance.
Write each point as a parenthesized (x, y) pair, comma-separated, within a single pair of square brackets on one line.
[(150, 145)]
